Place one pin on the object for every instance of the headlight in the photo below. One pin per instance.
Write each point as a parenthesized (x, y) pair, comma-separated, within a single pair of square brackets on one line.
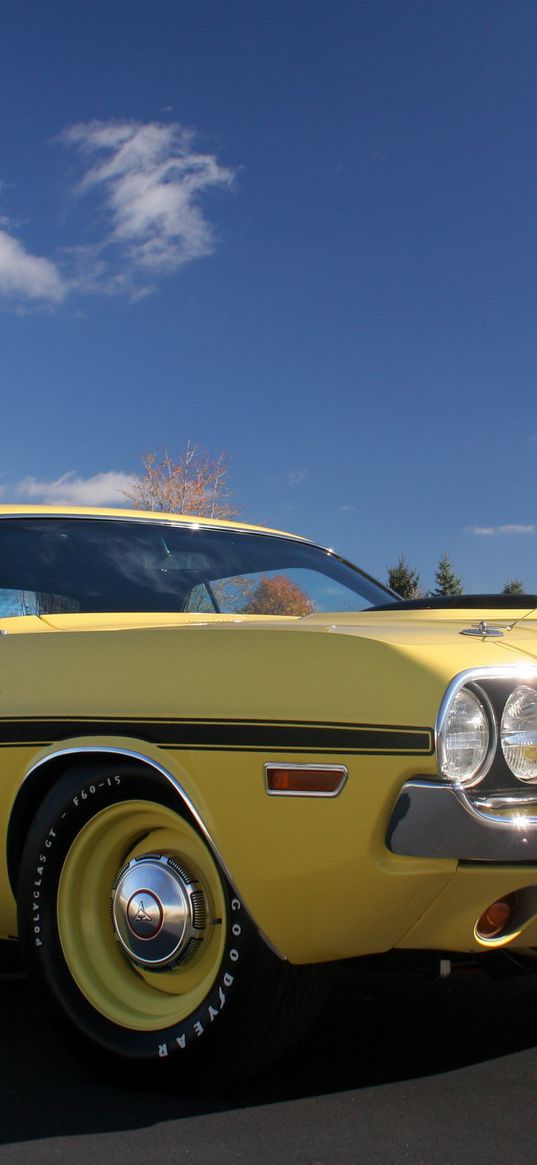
[(518, 733), (464, 738)]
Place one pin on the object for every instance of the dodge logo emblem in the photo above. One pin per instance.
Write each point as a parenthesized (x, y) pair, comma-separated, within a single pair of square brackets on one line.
[(144, 914)]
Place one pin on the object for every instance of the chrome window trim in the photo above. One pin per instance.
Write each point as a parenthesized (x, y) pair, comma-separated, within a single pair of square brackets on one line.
[(186, 521), (342, 769)]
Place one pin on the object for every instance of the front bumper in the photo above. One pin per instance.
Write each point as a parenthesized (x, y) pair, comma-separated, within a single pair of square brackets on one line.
[(433, 819)]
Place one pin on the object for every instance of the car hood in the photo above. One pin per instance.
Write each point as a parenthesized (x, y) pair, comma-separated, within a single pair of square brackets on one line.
[(407, 626), (372, 667), (476, 637)]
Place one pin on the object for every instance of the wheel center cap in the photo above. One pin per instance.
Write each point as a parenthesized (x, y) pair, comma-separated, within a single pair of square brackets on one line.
[(144, 914), (159, 912)]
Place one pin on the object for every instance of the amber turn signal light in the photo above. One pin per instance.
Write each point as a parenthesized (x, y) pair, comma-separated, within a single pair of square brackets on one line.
[(305, 780), (496, 919)]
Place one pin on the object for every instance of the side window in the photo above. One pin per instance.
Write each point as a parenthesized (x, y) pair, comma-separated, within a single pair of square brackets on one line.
[(278, 594), (13, 603), (270, 593)]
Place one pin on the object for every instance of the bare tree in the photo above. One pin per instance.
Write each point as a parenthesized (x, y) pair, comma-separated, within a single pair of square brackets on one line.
[(196, 484)]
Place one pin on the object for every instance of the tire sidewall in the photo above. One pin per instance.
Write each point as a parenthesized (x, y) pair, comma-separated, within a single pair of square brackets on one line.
[(78, 798)]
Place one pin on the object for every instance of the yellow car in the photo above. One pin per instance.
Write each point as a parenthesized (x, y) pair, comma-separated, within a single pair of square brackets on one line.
[(230, 760)]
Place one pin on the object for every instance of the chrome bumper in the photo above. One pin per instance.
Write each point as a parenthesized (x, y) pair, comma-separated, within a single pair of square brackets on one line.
[(432, 819)]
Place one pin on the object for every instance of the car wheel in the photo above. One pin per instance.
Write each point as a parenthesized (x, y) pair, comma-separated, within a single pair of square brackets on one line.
[(131, 927)]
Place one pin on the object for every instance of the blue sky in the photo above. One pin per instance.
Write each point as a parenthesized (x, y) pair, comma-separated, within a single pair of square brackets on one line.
[(301, 232)]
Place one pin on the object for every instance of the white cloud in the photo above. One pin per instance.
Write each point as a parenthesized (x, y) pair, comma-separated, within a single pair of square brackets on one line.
[(296, 477), (26, 276), (103, 489), (150, 180), (492, 531)]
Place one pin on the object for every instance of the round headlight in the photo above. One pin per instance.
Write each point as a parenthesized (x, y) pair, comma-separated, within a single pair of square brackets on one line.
[(464, 737), (518, 733)]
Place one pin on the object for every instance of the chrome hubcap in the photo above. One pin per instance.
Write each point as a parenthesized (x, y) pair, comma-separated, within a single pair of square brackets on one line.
[(159, 912)]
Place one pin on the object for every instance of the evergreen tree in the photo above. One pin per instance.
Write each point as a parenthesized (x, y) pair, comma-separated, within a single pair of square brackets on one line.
[(447, 582), (403, 580), (514, 586)]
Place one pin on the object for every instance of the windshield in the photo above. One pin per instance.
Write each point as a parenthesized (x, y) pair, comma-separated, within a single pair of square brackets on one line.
[(71, 565)]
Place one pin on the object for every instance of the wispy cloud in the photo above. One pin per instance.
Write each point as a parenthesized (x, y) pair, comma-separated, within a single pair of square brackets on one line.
[(149, 180), (28, 277), (492, 531), (296, 477), (103, 489), (147, 183)]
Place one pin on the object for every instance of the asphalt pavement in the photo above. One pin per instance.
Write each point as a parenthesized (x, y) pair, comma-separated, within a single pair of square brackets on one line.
[(396, 1070)]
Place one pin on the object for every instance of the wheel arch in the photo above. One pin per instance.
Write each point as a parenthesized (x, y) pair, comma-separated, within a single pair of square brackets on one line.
[(41, 778)]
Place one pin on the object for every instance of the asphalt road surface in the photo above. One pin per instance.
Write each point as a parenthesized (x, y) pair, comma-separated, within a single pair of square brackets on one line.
[(395, 1071)]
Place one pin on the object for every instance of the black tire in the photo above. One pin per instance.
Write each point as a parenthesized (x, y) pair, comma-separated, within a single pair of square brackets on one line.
[(131, 928)]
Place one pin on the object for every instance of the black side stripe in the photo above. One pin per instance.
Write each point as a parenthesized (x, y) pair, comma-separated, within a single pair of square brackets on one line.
[(233, 735)]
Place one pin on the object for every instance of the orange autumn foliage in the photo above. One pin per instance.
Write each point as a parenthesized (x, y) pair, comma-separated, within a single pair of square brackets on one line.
[(278, 596)]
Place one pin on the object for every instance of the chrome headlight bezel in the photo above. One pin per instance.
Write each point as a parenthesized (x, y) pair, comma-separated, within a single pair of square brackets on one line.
[(479, 702)]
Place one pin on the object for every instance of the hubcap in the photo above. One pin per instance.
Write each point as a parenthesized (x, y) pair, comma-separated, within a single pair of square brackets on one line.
[(159, 912)]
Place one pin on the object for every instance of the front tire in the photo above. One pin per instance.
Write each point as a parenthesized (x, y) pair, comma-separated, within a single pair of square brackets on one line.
[(130, 926)]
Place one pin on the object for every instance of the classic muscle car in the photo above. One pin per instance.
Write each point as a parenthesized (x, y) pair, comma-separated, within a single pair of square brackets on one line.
[(230, 759)]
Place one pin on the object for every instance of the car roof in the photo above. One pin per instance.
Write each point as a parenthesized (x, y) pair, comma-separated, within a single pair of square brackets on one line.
[(130, 514)]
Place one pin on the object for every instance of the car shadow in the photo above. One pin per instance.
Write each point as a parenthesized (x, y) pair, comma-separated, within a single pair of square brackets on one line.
[(375, 1030)]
